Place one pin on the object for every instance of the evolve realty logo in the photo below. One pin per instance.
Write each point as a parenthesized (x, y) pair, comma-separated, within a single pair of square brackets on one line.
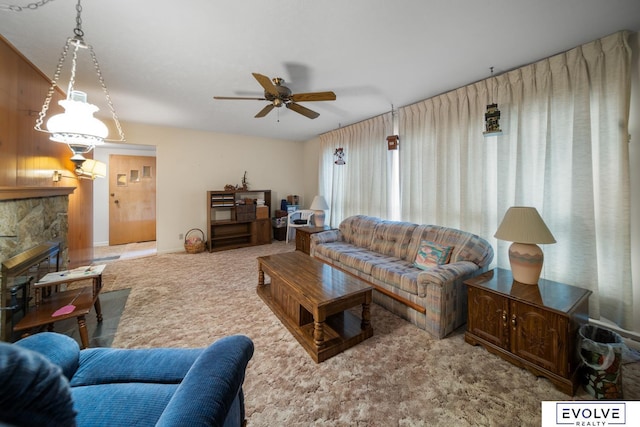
[(586, 413)]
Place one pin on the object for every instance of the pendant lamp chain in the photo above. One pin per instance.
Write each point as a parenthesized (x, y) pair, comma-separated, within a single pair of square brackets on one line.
[(30, 6), (78, 43)]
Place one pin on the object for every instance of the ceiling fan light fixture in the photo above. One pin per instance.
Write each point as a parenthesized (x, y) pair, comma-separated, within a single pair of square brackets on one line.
[(278, 95)]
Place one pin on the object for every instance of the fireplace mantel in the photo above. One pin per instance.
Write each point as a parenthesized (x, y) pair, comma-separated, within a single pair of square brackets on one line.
[(17, 193)]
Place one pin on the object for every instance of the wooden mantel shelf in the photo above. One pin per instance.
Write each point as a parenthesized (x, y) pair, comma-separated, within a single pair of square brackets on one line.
[(16, 193)]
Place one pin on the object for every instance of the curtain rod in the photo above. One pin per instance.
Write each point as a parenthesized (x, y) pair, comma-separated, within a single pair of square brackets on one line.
[(625, 33)]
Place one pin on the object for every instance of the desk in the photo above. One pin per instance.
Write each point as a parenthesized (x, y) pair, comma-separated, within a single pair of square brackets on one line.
[(48, 300)]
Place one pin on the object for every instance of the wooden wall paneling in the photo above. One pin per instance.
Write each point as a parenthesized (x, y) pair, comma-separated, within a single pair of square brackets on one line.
[(8, 115), (28, 158)]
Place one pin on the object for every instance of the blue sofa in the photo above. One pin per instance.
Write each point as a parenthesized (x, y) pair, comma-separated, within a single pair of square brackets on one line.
[(46, 380)]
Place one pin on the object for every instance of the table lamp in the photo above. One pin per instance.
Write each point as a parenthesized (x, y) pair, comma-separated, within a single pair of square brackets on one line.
[(524, 227), (319, 205)]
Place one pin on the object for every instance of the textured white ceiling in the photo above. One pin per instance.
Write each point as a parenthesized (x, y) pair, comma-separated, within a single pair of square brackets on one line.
[(164, 60)]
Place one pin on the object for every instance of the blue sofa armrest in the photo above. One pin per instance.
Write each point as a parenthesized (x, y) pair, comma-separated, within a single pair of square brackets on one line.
[(212, 389), (59, 349)]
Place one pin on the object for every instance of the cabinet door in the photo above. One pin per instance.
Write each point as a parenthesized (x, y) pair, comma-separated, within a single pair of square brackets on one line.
[(488, 317), (262, 231), (539, 336)]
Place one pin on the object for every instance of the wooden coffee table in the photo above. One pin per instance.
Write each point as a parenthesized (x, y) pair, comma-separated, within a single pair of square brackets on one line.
[(311, 299)]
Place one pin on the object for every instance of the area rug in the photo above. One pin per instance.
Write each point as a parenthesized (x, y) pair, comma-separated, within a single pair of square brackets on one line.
[(399, 377)]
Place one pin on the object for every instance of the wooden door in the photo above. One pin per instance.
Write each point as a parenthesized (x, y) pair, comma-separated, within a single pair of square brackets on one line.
[(132, 199)]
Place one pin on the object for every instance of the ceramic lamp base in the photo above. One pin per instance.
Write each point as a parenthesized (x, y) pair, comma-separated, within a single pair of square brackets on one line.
[(318, 218), (526, 262)]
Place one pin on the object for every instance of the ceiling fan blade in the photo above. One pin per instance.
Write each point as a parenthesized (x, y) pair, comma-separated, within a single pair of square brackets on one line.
[(237, 97), (266, 83), (302, 110), (313, 96), (264, 111)]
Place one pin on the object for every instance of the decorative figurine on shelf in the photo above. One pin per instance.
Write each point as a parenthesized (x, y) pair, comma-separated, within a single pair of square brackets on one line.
[(229, 187), (245, 183)]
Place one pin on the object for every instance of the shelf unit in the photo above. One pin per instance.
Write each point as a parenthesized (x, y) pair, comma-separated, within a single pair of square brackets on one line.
[(232, 223)]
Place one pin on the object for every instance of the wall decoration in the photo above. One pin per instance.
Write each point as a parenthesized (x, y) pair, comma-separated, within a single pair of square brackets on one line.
[(134, 175), (146, 171), (492, 120), (339, 156), (492, 117), (392, 142), (121, 179)]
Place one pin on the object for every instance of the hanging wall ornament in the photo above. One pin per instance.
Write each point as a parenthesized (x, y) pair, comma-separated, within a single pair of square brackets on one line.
[(392, 142), (338, 155), (492, 118)]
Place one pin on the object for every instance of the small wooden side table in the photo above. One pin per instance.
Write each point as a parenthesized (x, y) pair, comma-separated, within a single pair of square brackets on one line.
[(303, 237), (531, 326), (48, 301)]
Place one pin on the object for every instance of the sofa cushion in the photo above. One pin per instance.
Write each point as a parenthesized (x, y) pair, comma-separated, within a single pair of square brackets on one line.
[(364, 260), (121, 404), (392, 238), (431, 254), (117, 365), (333, 250), (401, 274), (466, 246), (358, 230)]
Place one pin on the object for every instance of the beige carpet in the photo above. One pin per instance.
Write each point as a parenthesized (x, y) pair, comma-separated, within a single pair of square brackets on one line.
[(399, 377)]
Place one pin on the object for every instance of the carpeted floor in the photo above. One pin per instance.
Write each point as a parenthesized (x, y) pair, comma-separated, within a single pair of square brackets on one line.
[(399, 377)]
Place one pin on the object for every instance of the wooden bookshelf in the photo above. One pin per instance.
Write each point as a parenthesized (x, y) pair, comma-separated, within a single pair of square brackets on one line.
[(233, 221)]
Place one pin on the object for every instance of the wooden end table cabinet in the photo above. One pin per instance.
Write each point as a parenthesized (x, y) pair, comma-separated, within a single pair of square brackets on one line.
[(303, 237), (531, 326)]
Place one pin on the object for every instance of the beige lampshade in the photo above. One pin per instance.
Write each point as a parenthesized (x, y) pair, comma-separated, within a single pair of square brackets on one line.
[(319, 204), (95, 168), (523, 224)]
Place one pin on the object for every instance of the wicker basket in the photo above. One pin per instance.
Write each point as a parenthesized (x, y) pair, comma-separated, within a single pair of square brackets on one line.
[(194, 244)]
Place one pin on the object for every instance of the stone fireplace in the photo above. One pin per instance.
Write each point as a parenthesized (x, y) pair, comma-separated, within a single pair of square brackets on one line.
[(30, 217), (33, 215)]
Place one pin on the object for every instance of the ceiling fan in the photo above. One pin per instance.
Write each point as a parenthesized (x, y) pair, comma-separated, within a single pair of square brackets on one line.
[(278, 95)]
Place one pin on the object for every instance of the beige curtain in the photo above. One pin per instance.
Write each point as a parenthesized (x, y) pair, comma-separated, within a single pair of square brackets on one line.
[(361, 184), (563, 150)]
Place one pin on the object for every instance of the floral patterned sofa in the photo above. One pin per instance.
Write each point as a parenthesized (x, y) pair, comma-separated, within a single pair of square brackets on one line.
[(390, 255)]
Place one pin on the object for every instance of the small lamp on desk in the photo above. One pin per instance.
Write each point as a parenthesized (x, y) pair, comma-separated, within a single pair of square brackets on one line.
[(319, 205), (524, 227)]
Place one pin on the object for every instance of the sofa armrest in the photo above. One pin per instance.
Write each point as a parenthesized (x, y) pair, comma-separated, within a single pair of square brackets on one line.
[(60, 349), (212, 386), (445, 273), (327, 236)]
